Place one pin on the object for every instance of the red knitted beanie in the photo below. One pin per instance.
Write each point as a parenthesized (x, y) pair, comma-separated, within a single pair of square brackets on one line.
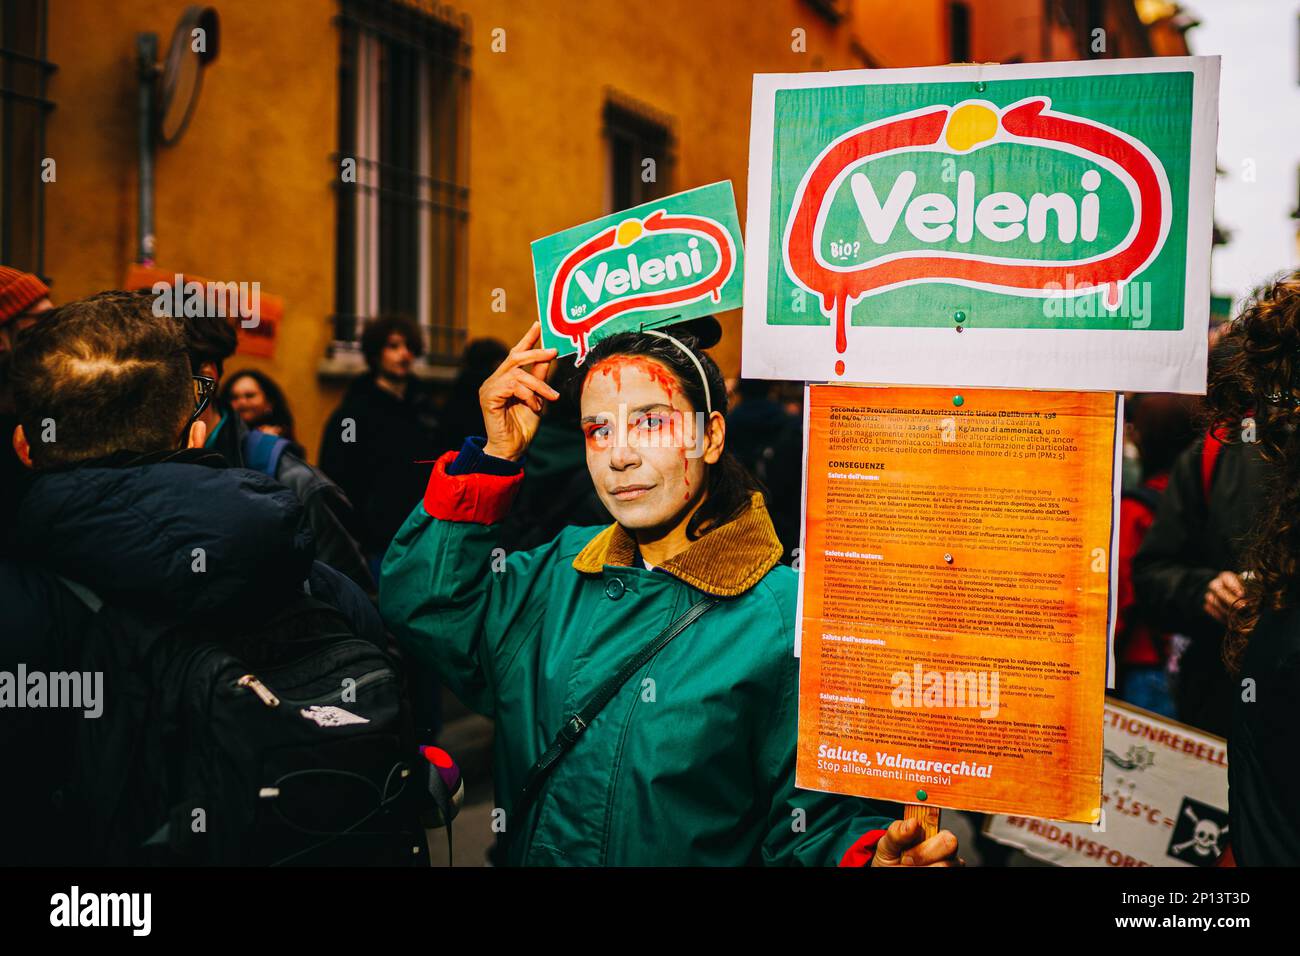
[(18, 291)]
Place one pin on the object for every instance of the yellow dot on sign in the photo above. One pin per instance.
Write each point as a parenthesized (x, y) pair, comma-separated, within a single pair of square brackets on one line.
[(969, 125), (629, 230)]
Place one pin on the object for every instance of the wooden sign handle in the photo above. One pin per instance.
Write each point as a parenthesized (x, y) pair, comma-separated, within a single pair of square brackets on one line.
[(929, 817)]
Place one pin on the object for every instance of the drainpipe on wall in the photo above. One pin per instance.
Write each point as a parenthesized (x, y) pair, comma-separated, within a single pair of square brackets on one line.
[(146, 45)]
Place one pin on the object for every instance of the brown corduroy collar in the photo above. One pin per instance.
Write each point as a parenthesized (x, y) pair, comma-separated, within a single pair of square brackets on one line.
[(725, 562)]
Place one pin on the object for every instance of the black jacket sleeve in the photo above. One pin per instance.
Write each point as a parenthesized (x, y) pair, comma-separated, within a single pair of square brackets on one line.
[(344, 462), (1171, 569), (328, 514)]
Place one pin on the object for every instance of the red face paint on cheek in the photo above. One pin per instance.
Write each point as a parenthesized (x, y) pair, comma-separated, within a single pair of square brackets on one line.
[(679, 436)]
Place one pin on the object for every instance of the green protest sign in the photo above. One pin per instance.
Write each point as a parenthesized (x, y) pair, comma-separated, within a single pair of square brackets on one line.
[(661, 262), (1034, 201)]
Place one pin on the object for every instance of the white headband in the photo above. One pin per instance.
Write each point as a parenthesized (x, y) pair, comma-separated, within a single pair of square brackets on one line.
[(704, 379)]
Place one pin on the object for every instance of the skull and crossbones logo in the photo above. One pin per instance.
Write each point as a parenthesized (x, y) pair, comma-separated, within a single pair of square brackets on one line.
[(1203, 845)]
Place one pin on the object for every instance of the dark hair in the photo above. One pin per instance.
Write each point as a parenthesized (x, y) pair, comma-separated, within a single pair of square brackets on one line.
[(279, 415), (729, 488), (109, 373), (1257, 376), (208, 338), (375, 337)]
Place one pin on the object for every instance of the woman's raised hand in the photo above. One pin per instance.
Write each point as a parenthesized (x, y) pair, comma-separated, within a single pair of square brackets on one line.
[(513, 397)]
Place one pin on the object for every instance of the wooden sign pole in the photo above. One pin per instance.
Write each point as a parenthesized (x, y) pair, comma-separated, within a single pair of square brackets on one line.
[(929, 817)]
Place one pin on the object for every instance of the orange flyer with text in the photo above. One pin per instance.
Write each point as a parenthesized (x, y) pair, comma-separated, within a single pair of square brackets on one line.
[(955, 596)]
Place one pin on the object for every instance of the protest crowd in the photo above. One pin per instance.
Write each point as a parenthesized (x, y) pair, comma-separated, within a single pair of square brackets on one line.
[(175, 501), (943, 514)]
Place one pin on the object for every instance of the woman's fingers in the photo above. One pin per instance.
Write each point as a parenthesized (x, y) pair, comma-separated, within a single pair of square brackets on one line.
[(900, 835), (537, 385), (528, 397), (524, 354), (530, 337), (529, 357)]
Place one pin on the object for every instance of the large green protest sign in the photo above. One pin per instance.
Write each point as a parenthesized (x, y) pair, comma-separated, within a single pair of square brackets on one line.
[(1056, 216), (673, 259)]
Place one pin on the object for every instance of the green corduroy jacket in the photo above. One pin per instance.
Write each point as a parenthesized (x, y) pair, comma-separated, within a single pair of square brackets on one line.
[(692, 762)]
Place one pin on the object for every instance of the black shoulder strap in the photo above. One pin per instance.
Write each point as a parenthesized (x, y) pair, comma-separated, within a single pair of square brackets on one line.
[(575, 725)]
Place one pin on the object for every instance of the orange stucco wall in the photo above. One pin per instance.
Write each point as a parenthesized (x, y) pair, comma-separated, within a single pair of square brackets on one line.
[(247, 194)]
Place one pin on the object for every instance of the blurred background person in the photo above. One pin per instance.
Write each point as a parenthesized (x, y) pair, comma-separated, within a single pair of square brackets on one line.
[(767, 437), (461, 416), (380, 443), (755, 421), (1161, 427), (1186, 573), (1259, 383), (260, 404), (24, 298), (210, 340)]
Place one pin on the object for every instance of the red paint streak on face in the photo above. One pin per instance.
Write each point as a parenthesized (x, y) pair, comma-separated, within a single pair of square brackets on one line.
[(660, 374), (678, 429)]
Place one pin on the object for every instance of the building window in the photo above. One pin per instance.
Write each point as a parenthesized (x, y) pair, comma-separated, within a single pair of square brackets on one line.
[(959, 33), (401, 225), (24, 78), (640, 153)]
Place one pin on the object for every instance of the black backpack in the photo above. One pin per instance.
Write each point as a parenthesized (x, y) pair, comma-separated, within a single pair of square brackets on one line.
[(281, 739)]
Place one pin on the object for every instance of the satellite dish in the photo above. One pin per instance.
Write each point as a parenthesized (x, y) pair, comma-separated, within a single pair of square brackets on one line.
[(194, 44)]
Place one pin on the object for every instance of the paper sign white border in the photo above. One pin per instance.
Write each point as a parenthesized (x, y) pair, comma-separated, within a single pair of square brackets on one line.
[(1059, 360)]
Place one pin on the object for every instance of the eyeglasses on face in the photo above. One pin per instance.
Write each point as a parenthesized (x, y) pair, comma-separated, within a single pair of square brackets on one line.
[(205, 386)]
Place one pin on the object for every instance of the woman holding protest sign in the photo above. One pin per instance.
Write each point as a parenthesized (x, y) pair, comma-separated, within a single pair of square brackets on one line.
[(641, 676)]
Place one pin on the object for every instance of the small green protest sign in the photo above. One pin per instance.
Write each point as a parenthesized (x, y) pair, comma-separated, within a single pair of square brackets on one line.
[(665, 261)]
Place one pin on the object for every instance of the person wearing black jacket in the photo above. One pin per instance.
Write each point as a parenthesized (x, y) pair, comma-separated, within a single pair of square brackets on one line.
[(117, 508), (210, 340), (380, 443), (1187, 571), (1259, 387)]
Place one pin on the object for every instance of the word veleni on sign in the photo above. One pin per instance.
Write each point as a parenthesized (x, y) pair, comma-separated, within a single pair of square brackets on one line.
[(999, 216), (650, 272)]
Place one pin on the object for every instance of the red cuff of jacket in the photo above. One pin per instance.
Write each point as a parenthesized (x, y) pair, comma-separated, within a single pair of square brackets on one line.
[(863, 849), (483, 499)]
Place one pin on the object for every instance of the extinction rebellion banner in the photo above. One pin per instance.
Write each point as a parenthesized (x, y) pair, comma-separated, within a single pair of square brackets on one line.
[(1030, 226), (1164, 800), (673, 259)]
